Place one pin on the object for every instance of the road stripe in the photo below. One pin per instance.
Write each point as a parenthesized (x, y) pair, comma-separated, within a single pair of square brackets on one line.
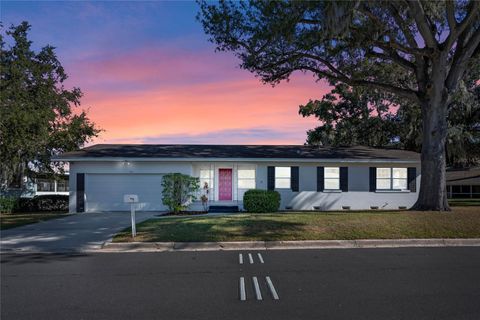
[(258, 293), (240, 258), (260, 257), (250, 258), (272, 288), (243, 294)]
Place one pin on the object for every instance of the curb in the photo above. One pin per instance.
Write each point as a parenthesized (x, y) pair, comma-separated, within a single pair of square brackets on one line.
[(285, 245)]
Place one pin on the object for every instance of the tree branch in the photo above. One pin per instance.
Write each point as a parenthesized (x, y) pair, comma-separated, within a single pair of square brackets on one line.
[(401, 24), (423, 26), (395, 58), (452, 23), (460, 60), (407, 93), (466, 23)]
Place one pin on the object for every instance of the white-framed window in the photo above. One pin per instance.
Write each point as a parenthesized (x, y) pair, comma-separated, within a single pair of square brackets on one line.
[(206, 177), (392, 179), (283, 177), (331, 178), (246, 178)]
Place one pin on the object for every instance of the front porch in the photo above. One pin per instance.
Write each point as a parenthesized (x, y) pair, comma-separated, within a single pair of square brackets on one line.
[(224, 184)]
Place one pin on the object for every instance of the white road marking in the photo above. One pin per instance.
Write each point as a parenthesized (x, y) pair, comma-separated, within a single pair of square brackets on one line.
[(250, 258), (272, 288), (240, 258), (260, 257), (243, 294), (258, 293)]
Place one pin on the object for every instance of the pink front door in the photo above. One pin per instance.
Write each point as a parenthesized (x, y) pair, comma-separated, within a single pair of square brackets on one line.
[(224, 184)]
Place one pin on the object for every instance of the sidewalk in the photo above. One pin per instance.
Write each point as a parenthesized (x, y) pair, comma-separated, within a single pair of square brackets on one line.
[(283, 245)]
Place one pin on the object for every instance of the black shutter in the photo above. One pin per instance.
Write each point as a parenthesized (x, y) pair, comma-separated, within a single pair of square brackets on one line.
[(373, 179), (80, 192), (271, 178), (344, 179), (412, 179), (294, 181), (320, 179)]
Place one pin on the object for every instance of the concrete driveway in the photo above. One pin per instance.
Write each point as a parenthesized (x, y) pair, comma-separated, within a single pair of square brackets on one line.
[(77, 232)]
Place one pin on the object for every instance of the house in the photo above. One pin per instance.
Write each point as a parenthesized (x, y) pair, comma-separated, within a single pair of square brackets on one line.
[(40, 185), (463, 183), (307, 177)]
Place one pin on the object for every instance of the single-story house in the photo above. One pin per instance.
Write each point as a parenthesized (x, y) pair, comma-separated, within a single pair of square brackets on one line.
[(307, 177), (463, 183), (41, 185)]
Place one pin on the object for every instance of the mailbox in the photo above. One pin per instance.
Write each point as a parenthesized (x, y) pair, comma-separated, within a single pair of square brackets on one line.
[(130, 198)]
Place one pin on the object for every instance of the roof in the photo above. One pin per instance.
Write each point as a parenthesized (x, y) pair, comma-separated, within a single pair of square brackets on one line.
[(463, 176), (189, 151)]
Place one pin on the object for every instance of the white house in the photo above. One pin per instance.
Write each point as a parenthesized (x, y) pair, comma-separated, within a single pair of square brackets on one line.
[(307, 177)]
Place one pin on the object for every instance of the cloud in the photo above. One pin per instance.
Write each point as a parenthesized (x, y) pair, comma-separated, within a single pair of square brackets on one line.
[(228, 136)]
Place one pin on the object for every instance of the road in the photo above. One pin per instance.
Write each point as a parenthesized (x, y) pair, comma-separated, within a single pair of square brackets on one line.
[(407, 283)]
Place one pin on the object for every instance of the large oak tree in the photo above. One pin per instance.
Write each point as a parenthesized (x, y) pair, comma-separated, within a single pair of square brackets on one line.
[(39, 117), (416, 50)]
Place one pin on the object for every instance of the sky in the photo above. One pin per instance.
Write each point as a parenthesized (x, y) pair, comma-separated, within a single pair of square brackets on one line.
[(150, 75)]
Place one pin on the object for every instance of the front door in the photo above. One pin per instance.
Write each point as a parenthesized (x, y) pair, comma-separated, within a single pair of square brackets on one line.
[(225, 184)]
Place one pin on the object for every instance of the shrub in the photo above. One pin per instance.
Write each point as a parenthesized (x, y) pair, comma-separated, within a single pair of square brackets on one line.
[(261, 201), (179, 191), (53, 202), (7, 204)]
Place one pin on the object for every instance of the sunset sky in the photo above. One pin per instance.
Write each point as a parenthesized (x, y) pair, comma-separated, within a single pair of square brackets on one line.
[(149, 75)]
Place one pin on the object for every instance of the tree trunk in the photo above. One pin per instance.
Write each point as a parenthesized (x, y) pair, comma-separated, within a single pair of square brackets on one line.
[(433, 191)]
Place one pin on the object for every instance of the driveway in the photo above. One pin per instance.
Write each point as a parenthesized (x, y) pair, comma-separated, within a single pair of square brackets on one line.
[(77, 232)]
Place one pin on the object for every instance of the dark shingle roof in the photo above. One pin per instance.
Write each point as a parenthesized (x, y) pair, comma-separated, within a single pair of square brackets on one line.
[(237, 151), (464, 176)]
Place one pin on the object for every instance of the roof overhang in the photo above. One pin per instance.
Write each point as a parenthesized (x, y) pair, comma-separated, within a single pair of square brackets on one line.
[(309, 160)]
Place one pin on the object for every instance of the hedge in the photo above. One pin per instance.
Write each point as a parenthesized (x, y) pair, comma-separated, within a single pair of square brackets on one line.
[(53, 202), (261, 201)]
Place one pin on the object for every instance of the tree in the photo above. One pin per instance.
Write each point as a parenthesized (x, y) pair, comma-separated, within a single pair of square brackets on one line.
[(415, 50), (349, 116), (39, 118), (179, 190)]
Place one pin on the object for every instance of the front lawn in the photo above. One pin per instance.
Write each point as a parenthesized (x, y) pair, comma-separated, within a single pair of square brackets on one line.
[(462, 222), (13, 220), (464, 202)]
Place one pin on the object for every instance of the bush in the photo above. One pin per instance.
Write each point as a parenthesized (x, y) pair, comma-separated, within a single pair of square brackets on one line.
[(179, 190), (261, 201), (53, 202), (7, 204)]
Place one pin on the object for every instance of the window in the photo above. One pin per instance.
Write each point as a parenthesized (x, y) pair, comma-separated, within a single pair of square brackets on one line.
[(62, 186), (246, 178), (332, 178), (45, 185), (282, 177), (392, 179), (206, 179)]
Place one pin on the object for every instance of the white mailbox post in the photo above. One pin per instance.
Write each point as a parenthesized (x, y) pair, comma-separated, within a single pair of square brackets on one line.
[(132, 199)]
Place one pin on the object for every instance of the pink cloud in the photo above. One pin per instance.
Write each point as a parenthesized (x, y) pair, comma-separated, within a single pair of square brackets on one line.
[(155, 92)]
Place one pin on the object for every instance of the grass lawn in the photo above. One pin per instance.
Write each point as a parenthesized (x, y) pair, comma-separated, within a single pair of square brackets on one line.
[(13, 220), (462, 222), (464, 202)]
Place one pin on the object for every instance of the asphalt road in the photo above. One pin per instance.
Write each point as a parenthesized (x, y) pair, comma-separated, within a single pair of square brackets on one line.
[(407, 283)]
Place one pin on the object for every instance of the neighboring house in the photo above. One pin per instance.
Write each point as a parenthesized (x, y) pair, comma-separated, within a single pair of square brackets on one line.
[(41, 185), (463, 183), (46, 185), (307, 177)]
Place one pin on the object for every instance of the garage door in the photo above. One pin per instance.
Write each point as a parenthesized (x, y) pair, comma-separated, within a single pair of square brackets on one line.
[(104, 192)]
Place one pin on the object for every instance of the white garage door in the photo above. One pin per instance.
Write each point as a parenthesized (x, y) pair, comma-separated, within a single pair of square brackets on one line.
[(104, 192)]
